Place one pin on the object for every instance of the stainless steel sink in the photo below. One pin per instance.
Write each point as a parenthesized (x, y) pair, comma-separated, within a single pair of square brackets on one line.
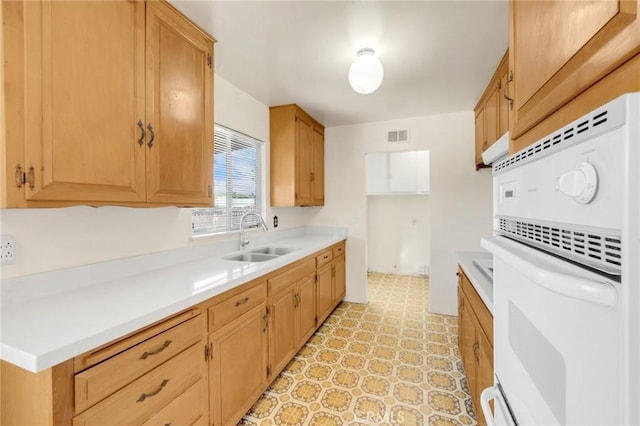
[(251, 257), (278, 251)]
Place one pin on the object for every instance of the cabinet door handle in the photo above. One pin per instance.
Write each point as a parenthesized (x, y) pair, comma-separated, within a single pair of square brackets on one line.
[(142, 132), (504, 93), (242, 302), (153, 135), (154, 393), (157, 351), (266, 322)]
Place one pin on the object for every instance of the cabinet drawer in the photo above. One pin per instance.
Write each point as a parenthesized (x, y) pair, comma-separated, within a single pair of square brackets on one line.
[(149, 394), (231, 308), (285, 279), (479, 308), (98, 382), (186, 409), (324, 258), (337, 251)]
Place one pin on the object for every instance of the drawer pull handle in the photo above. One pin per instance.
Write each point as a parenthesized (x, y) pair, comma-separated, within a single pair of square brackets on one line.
[(154, 393), (326, 256), (242, 302), (157, 351)]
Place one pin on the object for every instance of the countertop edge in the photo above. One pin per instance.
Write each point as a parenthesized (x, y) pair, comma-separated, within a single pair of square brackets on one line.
[(37, 361), (480, 283)]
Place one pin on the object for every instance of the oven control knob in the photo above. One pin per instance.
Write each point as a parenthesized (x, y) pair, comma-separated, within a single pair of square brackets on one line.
[(581, 184)]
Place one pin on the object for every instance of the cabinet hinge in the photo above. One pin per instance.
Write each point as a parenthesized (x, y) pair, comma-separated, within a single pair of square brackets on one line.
[(209, 60), (206, 352), (28, 177), (268, 370), (209, 191)]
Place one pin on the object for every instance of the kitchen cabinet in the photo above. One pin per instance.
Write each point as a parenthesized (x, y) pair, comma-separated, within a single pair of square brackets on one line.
[(492, 111), (237, 352), (475, 341), (292, 313), (559, 50), (296, 157), (206, 365), (112, 103), (331, 280), (404, 172)]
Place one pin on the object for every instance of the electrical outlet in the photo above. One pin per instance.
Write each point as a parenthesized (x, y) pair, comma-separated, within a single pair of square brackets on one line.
[(275, 221), (7, 249)]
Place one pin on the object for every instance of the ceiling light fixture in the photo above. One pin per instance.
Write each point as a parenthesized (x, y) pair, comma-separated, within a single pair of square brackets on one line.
[(365, 74)]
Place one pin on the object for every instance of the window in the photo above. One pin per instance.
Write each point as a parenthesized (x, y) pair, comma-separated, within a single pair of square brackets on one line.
[(237, 174)]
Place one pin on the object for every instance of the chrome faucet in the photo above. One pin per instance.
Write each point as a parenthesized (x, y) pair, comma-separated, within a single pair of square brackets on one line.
[(244, 242)]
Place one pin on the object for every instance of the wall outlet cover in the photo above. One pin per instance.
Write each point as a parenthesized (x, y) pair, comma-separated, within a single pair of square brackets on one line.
[(7, 249)]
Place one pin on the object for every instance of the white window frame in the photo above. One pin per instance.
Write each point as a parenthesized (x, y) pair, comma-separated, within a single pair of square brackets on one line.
[(224, 216)]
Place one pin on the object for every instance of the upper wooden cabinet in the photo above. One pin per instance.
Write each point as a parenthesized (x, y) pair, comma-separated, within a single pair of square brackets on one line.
[(560, 48), (297, 158), (111, 103), (492, 111)]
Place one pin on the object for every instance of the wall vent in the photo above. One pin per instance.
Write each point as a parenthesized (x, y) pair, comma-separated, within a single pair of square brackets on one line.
[(398, 136), (600, 121)]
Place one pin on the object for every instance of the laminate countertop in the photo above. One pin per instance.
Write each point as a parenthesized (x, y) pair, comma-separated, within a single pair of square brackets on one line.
[(51, 317), (480, 282)]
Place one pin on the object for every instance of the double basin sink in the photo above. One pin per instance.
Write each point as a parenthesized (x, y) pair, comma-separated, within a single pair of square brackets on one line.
[(260, 255)]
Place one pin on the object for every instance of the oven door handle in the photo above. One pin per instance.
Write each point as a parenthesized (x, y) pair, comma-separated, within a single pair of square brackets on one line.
[(493, 394), (549, 276)]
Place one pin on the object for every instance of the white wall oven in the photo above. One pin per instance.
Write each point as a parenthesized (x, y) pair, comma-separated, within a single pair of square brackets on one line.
[(566, 275)]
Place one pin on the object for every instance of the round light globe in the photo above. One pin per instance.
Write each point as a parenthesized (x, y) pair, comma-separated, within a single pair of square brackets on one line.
[(365, 74)]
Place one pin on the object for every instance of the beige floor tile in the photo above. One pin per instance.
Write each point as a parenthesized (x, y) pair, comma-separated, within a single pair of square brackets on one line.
[(390, 362)]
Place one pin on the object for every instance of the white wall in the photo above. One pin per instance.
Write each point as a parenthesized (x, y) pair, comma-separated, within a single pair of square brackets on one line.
[(398, 233), (460, 197), (49, 239)]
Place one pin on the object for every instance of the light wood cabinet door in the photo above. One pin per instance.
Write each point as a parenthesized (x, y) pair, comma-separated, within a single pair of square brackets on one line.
[(306, 309), (179, 80), (560, 48), (304, 161), (492, 115), (325, 292), (238, 366), (317, 177), (339, 279), (296, 144), (283, 336), (83, 94), (481, 140), (485, 370)]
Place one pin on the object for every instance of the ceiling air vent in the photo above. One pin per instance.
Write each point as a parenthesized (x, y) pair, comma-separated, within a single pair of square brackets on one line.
[(398, 136)]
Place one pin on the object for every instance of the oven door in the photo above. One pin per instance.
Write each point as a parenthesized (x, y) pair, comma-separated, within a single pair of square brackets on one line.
[(557, 338)]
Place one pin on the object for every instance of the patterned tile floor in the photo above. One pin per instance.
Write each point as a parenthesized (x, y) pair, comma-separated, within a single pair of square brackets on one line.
[(386, 363)]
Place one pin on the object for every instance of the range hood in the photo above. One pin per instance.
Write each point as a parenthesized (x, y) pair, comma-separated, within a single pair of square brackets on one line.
[(497, 151)]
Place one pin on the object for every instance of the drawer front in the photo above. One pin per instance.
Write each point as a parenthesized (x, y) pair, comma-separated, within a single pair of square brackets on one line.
[(186, 409), (337, 251), (100, 381), (324, 258), (280, 282), (149, 394), (229, 309)]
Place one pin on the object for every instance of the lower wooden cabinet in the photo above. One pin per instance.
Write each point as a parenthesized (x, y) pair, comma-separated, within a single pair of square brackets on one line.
[(204, 366), (331, 280), (475, 341), (238, 366), (292, 313)]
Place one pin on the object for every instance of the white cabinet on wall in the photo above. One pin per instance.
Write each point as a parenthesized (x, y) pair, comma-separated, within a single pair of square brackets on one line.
[(398, 173)]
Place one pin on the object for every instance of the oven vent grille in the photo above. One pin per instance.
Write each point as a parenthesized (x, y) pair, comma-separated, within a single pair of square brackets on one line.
[(602, 120), (600, 251)]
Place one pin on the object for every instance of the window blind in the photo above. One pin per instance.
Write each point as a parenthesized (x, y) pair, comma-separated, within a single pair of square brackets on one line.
[(237, 173)]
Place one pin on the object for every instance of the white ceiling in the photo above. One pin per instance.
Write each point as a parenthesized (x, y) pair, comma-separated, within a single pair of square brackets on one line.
[(437, 56)]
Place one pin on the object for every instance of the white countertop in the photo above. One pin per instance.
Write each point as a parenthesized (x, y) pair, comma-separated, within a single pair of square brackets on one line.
[(480, 282), (51, 317)]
